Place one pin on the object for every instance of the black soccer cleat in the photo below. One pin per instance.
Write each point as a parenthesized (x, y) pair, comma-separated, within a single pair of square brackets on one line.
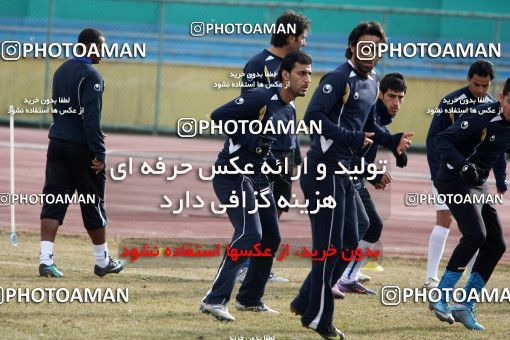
[(294, 310), (113, 267)]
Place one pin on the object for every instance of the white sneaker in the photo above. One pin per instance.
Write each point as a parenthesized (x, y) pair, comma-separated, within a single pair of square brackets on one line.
[(261, 308), (275, 278), (431, 282), (219, 311), (337, 293), (362, 278)]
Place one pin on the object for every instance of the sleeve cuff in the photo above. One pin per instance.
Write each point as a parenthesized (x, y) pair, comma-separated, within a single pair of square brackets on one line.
[(101, 158), (376, 180), (502, 187), (359, 138)]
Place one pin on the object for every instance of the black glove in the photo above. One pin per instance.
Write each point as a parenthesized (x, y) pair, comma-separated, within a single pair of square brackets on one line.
[(262, 145), (273, 164), (471, 174), (401, 159), (503, 189)]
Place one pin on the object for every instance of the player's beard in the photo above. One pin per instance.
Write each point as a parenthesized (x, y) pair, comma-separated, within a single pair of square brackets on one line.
[(364, 66), (298, 92), (302, 92)]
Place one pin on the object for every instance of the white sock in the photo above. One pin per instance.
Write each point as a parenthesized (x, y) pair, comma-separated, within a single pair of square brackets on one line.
[(469, 267), (345, 275), (352, 271), (101, 255), (437, 242), (46, 254)]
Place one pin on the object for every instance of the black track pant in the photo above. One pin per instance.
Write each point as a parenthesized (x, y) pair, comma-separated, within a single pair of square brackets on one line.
[(480, 227)]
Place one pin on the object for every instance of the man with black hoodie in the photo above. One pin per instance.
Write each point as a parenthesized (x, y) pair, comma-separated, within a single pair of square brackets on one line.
[(469, 148), (392, 90)]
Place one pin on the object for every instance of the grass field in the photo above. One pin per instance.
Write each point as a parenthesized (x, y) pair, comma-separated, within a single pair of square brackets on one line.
[(163, 302)]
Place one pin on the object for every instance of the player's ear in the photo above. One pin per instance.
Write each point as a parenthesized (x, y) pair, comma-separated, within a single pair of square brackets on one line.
[(353, 49), (87, 48), (285, 77), (500, 97), (381, 95)]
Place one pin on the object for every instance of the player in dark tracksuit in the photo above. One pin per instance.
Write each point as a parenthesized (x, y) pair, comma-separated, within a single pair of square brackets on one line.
[(261, 226), (392, 90), (261, 71), (341, 102), (469, 148), (451, 107), (343, 118), (443, 120), (285, 145), (76, 157)]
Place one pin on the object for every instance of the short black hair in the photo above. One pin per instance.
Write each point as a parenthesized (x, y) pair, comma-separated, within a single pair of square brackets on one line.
[(506, 88), (394, 81), (291, 59), (481, 68), (364, 28), (289, 17), (89, 35)]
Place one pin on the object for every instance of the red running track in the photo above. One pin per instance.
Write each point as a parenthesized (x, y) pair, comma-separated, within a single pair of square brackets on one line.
[(133, 204)]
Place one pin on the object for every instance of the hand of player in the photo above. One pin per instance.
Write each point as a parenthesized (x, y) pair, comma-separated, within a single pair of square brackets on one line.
[(385, 180), (263, 145), (404, 143), (295, 170), (367, 140), (275, 164), (401, 160), (97, 166), (470, 174), (379, 186)]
